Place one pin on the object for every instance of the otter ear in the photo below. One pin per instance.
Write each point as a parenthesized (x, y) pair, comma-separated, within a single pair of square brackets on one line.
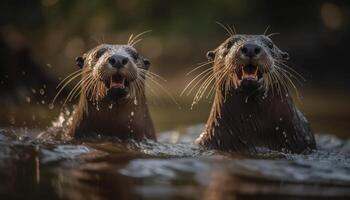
[(79, 61), (211, 55), (285, 55), (146, 63)]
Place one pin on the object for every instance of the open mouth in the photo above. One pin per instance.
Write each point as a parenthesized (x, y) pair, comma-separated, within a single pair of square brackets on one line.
[(118, 86), (249, 72), (118, 82)]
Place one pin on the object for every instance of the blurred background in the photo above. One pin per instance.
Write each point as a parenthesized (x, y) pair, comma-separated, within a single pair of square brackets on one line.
[(39, 40)]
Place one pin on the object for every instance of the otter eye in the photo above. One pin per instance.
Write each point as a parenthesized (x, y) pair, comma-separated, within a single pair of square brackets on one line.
[(270, 45), (133, 53), (100, 52)]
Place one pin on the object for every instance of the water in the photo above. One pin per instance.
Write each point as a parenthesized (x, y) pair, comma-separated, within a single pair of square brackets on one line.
[(173, 168)]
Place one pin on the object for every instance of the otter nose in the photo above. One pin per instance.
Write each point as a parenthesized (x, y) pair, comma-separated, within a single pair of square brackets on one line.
[(250, 50), (118, 61)]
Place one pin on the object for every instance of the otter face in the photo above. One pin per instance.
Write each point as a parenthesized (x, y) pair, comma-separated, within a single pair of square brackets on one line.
[(248, 59), (118, 70)]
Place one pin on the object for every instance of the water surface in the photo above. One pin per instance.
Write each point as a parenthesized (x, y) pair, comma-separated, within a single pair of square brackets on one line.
[(173, 168)]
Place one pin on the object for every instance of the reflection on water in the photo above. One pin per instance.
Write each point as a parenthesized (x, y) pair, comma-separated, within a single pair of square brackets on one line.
[(173, 168)]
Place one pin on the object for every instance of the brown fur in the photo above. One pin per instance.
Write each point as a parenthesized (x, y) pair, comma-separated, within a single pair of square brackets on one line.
[(99, 114), (250, 120), (125, 120)]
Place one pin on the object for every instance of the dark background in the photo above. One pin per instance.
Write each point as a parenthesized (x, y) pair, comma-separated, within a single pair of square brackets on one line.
[(40, 39)]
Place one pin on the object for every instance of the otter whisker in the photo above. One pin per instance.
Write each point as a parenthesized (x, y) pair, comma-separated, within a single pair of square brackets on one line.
[(203, 88), (291, 83), (199, 66), (267, 29), (290, 74), (140, 85), (194, 79), (204, 77), (281, 83), (272, 34), (149, 73), (65, 85), (234, 29), (76, 87), (205, 85), (217, 76), (293, 70), (149, 87), (91, 82), (137, 86), (67, 77), (134, 40), (229, 32), (164, 89)]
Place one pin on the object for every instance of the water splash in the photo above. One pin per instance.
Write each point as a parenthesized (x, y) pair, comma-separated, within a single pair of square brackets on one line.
[(173, 168)]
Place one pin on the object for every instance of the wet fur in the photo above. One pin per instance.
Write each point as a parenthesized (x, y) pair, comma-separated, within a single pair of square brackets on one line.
[(124, 120), (258, 124), (96, 113), (253, 121)]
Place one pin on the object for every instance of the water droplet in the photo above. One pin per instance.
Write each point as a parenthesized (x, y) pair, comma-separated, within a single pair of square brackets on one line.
[(23, 73), (281, 119), (28, 99), (12, 120), (42, 91), (42, 102), (33, 90), (284, 134), (110, 106), (132, 113), (135, 101), (51, 106), (277, 128), (131, 131)]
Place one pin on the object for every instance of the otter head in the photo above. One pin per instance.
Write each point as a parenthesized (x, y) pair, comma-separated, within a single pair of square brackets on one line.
[(113, 71), (247, 62)]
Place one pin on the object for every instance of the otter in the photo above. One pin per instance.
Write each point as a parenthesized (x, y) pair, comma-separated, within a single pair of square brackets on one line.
[(112, 95), (253, 110)]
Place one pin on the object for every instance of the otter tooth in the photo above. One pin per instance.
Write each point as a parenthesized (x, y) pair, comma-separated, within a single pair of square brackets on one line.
[(256, 71)]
